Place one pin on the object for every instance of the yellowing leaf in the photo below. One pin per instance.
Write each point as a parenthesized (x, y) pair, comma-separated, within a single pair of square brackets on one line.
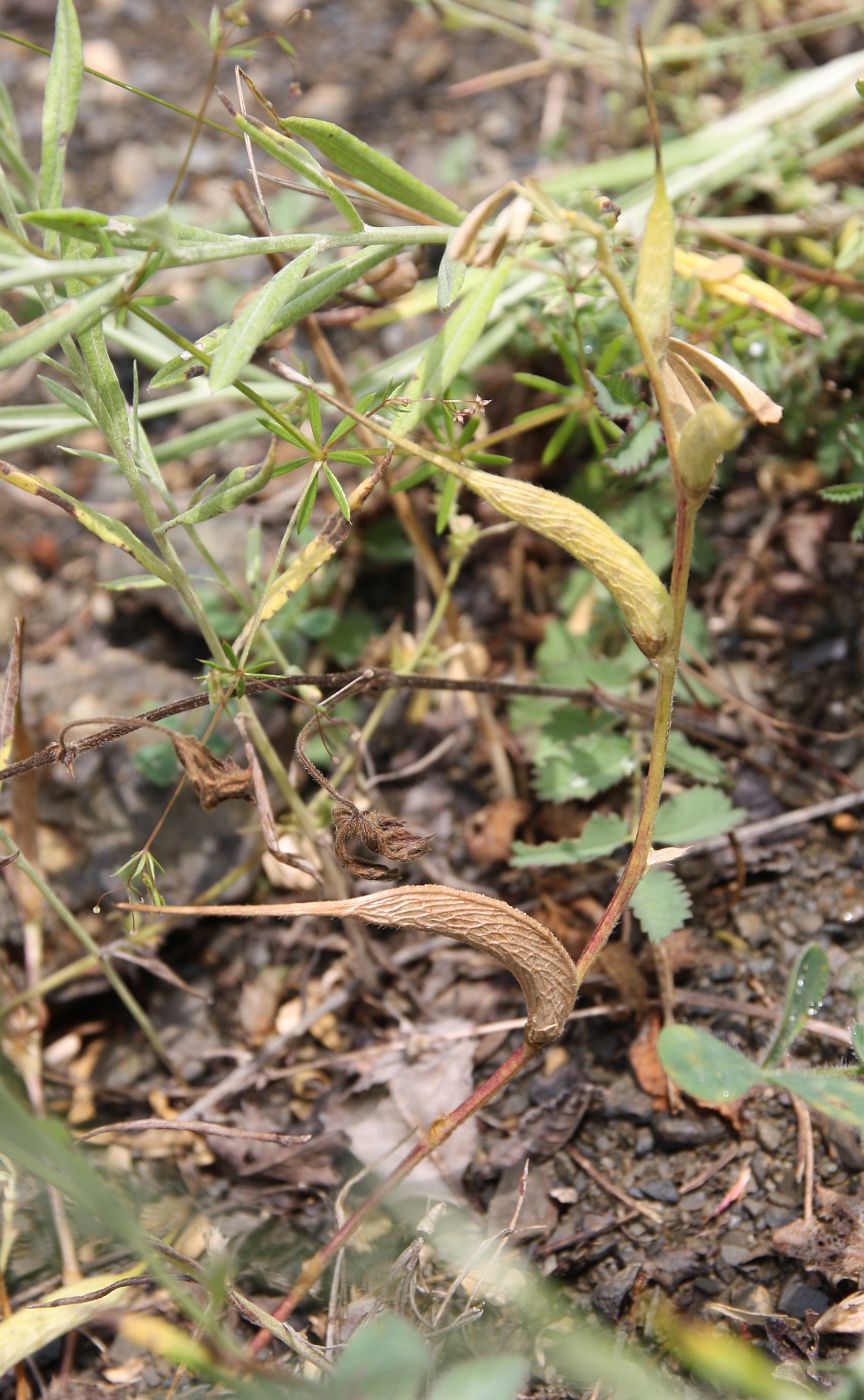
[(724, 277), (757, 403), (30, 1329)]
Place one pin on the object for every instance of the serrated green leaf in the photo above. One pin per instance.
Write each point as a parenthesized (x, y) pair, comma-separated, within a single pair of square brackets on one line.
[(616, 396), (377, 171), (60, 107), (839, 1096), (237, 346), (583, 768), (661, 903), (704, 1066), (447, 352), (302, 162), (693, 760), (807, 985), (72, 316), (697, 813), (601, 835), (843, 491), (636, 449), (482, 1378)]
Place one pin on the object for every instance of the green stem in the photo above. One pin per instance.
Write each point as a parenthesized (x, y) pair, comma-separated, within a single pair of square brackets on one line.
[(136, 1011)]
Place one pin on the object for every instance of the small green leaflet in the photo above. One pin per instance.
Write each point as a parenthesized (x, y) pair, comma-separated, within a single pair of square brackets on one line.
[(238, 345), (634, 451), (661, 903), (695, 814), (693, 760), (705, 1067), (601, 836)]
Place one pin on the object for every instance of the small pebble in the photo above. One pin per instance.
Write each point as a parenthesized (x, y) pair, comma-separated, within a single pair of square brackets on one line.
[(751, 926), (659, 1190), (799, 1298), (770, 1134)]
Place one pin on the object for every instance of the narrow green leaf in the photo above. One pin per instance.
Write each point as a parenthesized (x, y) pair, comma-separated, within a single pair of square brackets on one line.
[(447, 352), (449, 488), (807, 985), (378, 171), (237, 346), (121, 585), (298, 159), (839, 1096), (313, 413), (451, 279), (306, 502), (60, 108), (68, 397), (697, 813), (37, 336), (857, 1033), (336, 487), (661, 903), (705, 1067), (288, 433)]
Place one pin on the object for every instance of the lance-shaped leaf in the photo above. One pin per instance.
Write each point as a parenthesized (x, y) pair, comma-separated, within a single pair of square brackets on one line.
[(60, 108), (725, 277), (302, 162), (757, 403), (238, 486), (807, 985), (37, 336), (447, 352), (378, 171), (237, 346), (104, 526), (653, 294)]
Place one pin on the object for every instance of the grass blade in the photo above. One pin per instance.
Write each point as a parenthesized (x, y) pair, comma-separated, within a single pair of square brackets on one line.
[(40, 335)]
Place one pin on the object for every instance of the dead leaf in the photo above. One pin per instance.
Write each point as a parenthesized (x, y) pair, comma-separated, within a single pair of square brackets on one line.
[(845, 1316), (833, 1241), (386, 835), (757, 403), (489, 833), (725, 277), (214, 779), (645, 1061)]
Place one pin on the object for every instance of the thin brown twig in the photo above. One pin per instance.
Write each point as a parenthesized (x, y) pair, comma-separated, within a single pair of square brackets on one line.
[(194, 1125), (616, 1192)]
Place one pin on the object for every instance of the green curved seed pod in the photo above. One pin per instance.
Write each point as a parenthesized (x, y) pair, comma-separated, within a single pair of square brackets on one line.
[(637, 590), (704, 438)]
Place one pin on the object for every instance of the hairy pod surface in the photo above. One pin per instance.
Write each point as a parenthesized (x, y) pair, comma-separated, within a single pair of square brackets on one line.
[(530, 951), (705, 437), (637, 590)]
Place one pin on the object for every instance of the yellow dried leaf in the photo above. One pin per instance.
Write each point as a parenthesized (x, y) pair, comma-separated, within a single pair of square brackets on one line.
[(756, 402), (724, 277)]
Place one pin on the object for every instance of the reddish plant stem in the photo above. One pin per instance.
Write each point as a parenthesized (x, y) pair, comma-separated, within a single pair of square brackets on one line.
[(434, 1135), (667, 667)]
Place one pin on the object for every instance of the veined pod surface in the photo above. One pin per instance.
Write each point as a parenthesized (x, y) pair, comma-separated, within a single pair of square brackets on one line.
[(704, 438), (637, 590), (653, 296), (530, 951)]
